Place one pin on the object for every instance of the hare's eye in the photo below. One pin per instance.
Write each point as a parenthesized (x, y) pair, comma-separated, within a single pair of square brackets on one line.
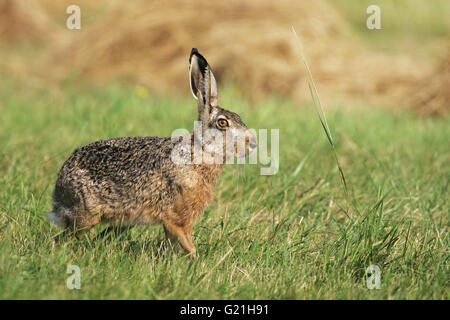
[(222, 123)]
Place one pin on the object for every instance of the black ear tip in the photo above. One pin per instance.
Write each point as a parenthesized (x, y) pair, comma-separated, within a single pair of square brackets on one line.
[(193, 51), (201, 61)]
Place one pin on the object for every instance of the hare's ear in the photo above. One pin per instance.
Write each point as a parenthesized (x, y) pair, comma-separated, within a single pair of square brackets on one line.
[(203, 83)]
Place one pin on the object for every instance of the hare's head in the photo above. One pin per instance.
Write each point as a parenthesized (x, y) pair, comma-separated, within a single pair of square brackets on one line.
[(223, 131)]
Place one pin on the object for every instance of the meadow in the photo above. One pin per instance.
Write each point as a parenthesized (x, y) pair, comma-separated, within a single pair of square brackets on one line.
[(293, 235)]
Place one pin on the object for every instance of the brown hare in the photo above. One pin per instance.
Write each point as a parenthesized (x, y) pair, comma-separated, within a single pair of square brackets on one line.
[(134, 180)]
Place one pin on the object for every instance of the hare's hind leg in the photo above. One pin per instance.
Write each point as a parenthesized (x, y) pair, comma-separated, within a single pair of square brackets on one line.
[(74, 223), (182, 234)]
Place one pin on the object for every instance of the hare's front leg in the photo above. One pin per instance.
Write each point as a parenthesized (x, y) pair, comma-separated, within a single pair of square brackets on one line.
[(182, 234)]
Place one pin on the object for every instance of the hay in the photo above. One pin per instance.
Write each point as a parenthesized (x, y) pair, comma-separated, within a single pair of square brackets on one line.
[(25, 20), (431, 95), (247, 42)]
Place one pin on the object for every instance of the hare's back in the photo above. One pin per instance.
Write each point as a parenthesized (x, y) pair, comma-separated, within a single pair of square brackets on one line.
[(120, 157), (116, 176)]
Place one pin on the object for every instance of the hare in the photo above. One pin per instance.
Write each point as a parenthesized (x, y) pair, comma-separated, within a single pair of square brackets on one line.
[(129, 181)]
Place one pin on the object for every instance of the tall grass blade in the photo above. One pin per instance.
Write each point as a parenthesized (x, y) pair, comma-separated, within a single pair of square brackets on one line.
[(320, 112)]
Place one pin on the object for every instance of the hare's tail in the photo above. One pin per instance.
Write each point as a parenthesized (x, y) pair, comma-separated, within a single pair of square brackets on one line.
[(54, 218)]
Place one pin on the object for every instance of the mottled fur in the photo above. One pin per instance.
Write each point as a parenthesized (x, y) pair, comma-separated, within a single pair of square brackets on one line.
[(133, 180)]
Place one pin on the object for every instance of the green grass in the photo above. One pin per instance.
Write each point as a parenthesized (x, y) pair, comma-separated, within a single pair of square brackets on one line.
[(267, 237)]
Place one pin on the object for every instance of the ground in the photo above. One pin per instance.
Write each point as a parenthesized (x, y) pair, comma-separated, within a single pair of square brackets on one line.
[(293, 235)]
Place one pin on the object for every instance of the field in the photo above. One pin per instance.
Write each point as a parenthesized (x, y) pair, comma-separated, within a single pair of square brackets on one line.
[(292, 235)]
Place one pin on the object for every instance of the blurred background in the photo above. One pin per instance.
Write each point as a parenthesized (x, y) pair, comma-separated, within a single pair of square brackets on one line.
[(248, 43)]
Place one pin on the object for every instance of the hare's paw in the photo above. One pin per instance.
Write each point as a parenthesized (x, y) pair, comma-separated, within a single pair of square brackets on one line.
[(55, 219)]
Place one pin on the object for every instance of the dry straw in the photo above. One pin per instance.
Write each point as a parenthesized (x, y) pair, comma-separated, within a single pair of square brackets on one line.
[(247, 42), (25, 20), (430, 95)]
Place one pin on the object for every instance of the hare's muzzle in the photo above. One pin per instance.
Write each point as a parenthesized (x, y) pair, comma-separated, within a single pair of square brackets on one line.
[(251, 141)]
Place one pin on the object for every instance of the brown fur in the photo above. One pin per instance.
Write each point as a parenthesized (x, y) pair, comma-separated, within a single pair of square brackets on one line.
[(133, 180)]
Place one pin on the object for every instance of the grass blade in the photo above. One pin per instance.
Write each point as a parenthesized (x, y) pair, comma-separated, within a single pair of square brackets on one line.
[(320, 112)]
